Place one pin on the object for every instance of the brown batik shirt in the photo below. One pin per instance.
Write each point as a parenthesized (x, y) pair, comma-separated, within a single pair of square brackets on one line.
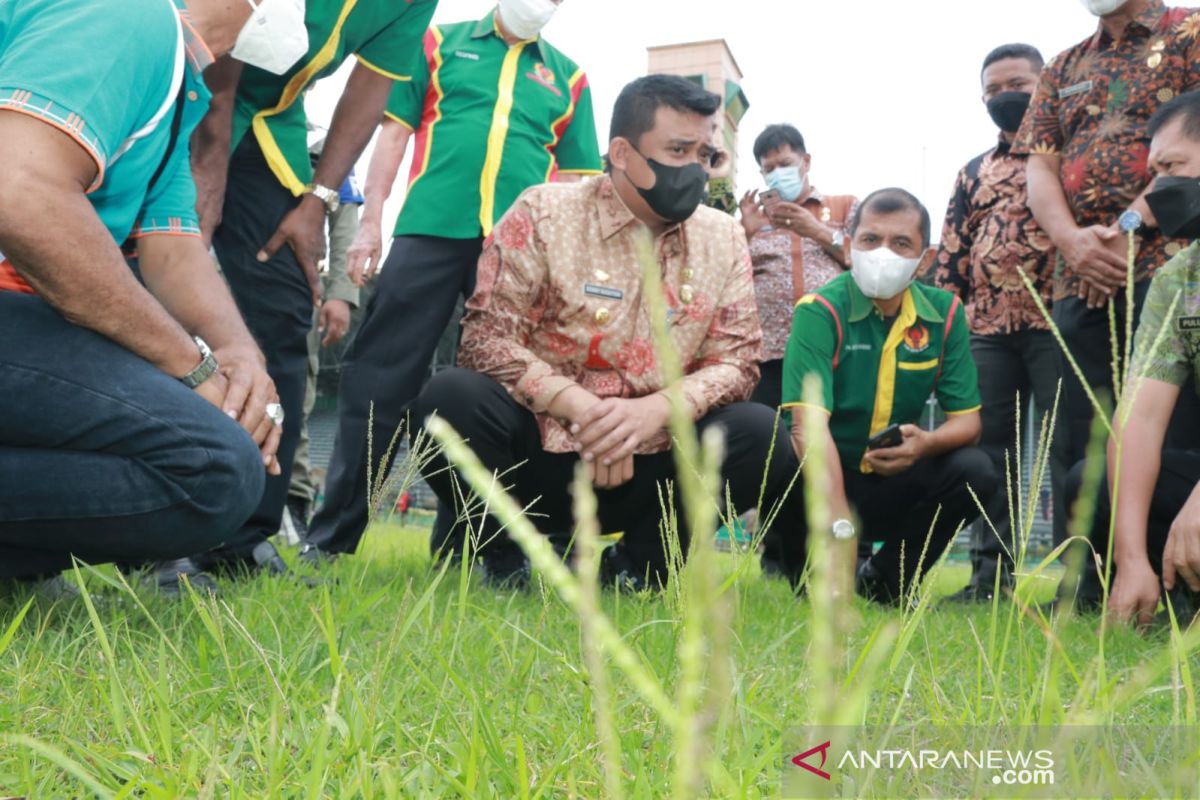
[(559, 302), (1091, 108), (990, 237)]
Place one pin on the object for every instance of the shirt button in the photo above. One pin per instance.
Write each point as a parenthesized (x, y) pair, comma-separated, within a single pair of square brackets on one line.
[(687, 294), (193, 96), (689, 273), (602, 316)]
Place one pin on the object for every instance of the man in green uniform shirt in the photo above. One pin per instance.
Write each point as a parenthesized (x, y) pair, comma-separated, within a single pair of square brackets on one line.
[(881, 345), (265, 207), (492, 110), (1156, 521)]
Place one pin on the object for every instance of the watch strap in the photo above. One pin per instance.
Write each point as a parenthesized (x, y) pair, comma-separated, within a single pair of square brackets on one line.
[(204, 370)]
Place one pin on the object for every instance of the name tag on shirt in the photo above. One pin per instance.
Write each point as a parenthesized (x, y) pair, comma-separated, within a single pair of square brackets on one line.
[(1071, 91), (467, 55), (603, 291), (1189, 323)]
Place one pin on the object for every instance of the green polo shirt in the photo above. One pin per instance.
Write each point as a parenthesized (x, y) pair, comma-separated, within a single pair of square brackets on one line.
[(872, 376), (385, 35), (490, 121)]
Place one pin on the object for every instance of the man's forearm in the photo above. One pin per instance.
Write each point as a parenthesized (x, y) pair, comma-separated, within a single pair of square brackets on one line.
[(85, 278), (354, 121), (1047, 200), (180, 274), (212, 141), (385, 163), (960, 430), (839, 504)]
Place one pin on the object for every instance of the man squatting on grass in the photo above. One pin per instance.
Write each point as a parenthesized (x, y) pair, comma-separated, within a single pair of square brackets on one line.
[(1156, 542), (138, 416)]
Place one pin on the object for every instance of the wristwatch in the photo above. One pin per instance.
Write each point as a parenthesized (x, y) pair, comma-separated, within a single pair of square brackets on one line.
[(839, 239), (329, 197), (1130, 221), (206, 368), (843, 529)]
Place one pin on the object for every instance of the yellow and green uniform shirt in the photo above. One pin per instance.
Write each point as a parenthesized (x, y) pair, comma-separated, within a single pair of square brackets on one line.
[(873, 376), (490, 120), (385, 35)]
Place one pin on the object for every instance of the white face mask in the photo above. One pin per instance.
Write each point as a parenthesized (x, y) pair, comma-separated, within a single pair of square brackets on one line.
[(275, 37), (880, 273), (1103, 7), (526, 18)]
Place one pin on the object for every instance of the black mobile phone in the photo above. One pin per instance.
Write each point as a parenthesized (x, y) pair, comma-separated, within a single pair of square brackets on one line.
[(889, 437)]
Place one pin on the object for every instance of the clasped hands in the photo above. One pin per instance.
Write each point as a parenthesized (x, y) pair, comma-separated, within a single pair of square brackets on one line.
[(607, 432)]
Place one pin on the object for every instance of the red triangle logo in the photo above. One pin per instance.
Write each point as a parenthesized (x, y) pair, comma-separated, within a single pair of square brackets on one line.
[(801, 760)]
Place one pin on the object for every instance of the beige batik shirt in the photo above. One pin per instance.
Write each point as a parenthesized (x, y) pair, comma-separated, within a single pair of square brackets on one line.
[(559, 302)]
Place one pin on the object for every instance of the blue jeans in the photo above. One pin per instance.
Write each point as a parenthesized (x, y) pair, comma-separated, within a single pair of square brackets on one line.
[(105, 457)]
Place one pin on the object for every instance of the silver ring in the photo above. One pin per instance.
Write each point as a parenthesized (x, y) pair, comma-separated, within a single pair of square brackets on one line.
[(275, 413)]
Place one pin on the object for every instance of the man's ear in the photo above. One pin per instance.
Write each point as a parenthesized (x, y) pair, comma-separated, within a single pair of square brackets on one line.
[(926, 260), (807, 162), (618, 153)]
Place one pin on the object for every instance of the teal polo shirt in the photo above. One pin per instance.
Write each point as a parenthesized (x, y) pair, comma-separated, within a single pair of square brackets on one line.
[(872, 375), (75, 65), (490, 120)]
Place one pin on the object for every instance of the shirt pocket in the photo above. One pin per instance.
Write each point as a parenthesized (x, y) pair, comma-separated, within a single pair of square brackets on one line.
[(915, 379)]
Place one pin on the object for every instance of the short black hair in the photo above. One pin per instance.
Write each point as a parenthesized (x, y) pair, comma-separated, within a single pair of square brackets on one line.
[(1186, 107), (1015, 50), (776, 136), (890, 201), (640, 100)]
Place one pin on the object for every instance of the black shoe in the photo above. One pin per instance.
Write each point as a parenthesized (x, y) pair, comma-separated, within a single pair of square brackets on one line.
[(507, 572), (313, 556), (50, 587), (615, 571), (981, 589), (297, 515), (167, 578), (870, 584)]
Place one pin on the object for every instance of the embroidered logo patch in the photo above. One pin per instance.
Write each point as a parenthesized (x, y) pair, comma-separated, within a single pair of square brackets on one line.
[(916, 339)]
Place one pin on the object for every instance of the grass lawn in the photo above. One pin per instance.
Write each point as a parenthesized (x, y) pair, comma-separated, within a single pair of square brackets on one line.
[(393, 681)]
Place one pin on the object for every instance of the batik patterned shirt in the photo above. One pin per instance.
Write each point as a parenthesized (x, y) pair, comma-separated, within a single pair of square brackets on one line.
[(559, 302), (990, 237), (1091, 108)]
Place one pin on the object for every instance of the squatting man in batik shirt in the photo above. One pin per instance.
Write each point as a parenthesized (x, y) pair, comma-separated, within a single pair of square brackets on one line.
[(558, 361), (880, 345)]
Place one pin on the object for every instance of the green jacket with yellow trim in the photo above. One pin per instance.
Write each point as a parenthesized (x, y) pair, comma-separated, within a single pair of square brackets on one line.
[(874, 375), (385, 35)]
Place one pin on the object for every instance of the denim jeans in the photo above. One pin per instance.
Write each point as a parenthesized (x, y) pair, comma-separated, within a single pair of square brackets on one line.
[(105, 457)]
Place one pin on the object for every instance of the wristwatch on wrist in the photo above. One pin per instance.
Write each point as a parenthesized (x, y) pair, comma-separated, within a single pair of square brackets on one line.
[(206, 368), (843, 529), (329, 197), (1130, 221), (839, 239)]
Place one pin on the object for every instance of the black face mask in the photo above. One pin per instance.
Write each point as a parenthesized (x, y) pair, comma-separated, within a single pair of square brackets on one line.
[(1175, 202), (677, 191), (1007, 109)]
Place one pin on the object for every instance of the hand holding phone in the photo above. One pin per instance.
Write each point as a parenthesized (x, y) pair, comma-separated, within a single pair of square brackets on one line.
[(769, 199), (888, 437)]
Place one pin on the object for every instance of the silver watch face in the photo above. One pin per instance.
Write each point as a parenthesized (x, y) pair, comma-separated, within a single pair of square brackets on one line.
[(843, 529)]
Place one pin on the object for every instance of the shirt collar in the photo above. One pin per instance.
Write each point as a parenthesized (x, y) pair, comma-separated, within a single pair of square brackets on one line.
[(1148, 20), (198, 55), (489, 27), (914, 297), (815, 196), (615, 216)]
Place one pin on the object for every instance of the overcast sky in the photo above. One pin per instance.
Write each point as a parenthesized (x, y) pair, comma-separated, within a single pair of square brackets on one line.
[(885, 92)]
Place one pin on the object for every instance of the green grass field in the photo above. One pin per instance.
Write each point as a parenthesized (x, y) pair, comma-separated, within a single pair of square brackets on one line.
[(393, 680)]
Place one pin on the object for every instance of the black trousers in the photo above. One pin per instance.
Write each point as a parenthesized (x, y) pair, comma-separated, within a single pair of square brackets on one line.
[(385, 364), (505, 436), (276, 303), (1177, 477), (1025, 363), (769, 390), (899, 510)]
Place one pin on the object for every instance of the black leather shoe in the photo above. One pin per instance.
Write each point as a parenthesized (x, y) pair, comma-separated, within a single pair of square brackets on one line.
[(167, 578), (616, 572), (313, 556), (510, 572), (870, 583), (49, 587), (267, 559)]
